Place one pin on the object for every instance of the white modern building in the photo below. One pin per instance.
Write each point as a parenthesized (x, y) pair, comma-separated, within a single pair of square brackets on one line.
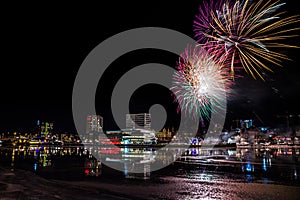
[(138, 121)]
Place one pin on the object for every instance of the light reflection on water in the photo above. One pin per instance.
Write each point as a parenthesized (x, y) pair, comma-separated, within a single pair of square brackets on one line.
[(242, 165)]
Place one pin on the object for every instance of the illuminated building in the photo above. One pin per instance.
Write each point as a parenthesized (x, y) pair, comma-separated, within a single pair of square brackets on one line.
[(246, 123), (164, 136), (45, 129), (139, 136), (138, 121), (94, 125)]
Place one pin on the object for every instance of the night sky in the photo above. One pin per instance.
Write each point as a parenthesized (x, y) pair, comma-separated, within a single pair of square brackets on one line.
[(44, 45)]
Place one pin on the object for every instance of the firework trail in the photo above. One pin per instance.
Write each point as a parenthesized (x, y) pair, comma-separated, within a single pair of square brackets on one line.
[(199, 82), (203, 25), (246, 33)]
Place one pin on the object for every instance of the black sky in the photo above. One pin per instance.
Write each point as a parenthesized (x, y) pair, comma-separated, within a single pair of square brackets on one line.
[(44, 44)]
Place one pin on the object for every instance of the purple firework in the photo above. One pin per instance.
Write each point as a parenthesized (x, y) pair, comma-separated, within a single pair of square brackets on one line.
[(204, 23)]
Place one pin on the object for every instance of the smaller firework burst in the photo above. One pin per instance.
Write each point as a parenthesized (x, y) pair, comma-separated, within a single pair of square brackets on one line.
[(200, 82)]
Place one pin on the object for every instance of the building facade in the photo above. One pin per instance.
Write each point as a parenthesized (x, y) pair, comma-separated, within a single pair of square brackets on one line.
[(94, 123), (138, 121), (94, 126), (45, 129)]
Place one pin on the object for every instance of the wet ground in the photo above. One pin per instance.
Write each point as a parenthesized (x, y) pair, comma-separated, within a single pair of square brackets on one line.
[(25, 185)]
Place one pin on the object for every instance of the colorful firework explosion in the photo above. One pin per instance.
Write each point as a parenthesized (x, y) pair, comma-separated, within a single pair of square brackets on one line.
[(204, 23), (200, 82), (246, 32)]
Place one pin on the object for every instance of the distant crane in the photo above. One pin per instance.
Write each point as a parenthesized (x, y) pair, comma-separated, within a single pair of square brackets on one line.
[(287, 116), (237, 122), (257, 116)]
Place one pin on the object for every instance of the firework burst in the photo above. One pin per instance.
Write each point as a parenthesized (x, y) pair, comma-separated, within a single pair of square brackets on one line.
[(203, 24), (199, 82), (247, 34)]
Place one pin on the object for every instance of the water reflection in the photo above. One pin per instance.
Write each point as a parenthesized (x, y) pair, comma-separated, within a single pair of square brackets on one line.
[(264, 165), (92, 167), (257, 165)]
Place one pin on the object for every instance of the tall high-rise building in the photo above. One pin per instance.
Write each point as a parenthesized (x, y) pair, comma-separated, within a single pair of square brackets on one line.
[(94, 126), (94, 123), (141, 120), (44, 128)]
